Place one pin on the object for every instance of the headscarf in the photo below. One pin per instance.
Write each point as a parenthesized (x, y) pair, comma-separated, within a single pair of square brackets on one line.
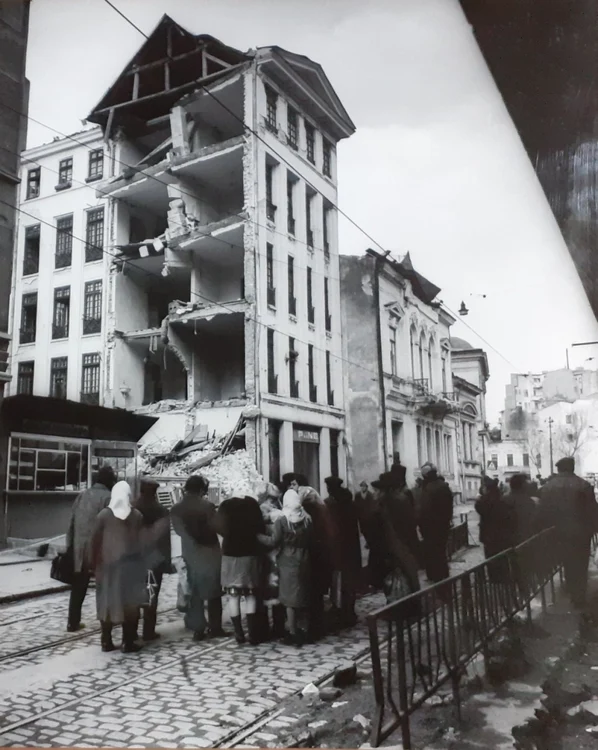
[(292, 507), (120, 500), (309, 494)]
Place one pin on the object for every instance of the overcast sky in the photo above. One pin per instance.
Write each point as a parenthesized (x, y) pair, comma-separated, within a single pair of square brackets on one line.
[(435, 168)]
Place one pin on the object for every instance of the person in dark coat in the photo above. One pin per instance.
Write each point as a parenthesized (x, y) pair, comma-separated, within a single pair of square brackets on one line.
[(194, 520), (568, 503), (497, 526), (268, 497), (400, 506), (345, 548), (119, 566), (525, 512), (78, 539), (239, 522), (436, 516), (156, 542), (367, 505)]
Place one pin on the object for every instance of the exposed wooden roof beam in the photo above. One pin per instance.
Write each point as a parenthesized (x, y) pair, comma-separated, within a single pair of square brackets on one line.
[(157, 63)]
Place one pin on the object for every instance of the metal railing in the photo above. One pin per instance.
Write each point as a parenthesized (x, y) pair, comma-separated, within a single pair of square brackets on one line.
[(422, 642), (458, 537)]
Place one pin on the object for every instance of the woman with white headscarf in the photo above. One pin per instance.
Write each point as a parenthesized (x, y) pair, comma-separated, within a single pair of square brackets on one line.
[(291, 536), (119, 568)]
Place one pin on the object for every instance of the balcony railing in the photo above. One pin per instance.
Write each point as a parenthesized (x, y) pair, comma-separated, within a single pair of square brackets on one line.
[(27, 335), (270, 211), (421, 385), (272, 383), (311, 314), (449, 395), (60, 332), (92, 325), (330, 398), (271, 125), (3, 361), (291, 225), (310, 238), (90, 398), (329, 322), (313, 393), (294, 389), (63, 260), (271, 296), (292, 305)]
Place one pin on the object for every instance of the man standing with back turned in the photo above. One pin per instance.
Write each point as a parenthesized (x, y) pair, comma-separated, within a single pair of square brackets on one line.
[(85, 509), (567, 502)]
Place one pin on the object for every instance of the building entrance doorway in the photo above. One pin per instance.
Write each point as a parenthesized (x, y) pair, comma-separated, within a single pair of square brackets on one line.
[(306, 454)]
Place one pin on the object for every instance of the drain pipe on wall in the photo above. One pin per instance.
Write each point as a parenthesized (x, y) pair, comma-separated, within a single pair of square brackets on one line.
[(378, 260)]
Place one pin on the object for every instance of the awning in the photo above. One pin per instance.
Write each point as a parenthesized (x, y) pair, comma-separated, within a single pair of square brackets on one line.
[(55, 416)]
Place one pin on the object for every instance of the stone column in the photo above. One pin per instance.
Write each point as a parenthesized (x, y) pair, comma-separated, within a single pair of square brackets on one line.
[(286, 448), (178, 129)]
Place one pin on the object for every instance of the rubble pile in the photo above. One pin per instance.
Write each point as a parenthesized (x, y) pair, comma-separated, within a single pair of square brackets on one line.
[(233, 472), (170, 404)]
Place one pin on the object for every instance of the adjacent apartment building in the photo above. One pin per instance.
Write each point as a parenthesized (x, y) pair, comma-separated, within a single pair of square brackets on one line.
[(59, 271), (221, 276), (400, 392)]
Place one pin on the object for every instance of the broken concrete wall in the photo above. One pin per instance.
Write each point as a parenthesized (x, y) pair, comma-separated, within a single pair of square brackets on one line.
[(199, 202), (171, 426), (129, 374), (130, 304), (221, 283), (220, 366), (219, 419)]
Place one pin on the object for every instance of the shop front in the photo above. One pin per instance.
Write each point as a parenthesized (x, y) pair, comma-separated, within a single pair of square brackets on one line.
[(306, 453), (54, 449)]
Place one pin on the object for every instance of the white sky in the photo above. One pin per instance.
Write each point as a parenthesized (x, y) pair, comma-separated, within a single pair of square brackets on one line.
[(435, 168)]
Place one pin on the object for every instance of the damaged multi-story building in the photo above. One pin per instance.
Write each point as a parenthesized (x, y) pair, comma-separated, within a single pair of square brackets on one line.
[(223, 290)]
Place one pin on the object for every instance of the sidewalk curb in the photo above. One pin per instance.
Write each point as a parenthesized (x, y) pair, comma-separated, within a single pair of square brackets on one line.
[(11, 598)]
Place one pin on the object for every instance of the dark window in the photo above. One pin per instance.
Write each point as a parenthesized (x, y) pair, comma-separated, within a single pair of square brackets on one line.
[(28, 318), (311, 313), (96, 164), (94, 248), (271, 105), (25, 378), (274, 445), (294, 383), (329, 390), (65, 172), (310, 141), (31, 254), (290, 212), (327, 158), (292, 298), (271, 291), (33, 183), (393, 350), (325, 232), (62, 307), (270, 207), (310, 232), (92, 309), (327, 305), (334, 453), (292, 135), (509, 459), (90, 379), (58, 377), (64, 241), (272, 379), (526, 459), (313, 391)]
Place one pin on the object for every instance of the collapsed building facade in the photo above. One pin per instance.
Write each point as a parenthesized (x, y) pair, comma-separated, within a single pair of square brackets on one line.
[(221, 219)]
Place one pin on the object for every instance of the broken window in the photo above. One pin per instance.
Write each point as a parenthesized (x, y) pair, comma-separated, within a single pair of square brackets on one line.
[(272, 379), (327, 306), (329, 390), (271, 106), (96, 165), (64, 241), (326, 158), (310, 142), (28, 318), (313, 390), (33, 183), (94, 237), (62, 307), (270, 207), (90, 379), (292, 128), (25, 378), (92, 307), (292, 298), (31, 254), (290, 211), (311, 313), (58, 377), (293, 382), (65, 172), (270, 290)]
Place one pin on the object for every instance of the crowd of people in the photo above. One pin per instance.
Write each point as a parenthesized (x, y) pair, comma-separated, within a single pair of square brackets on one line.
[(282, 552)]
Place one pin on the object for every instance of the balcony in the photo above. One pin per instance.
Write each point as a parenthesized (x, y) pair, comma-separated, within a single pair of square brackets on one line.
[(271, 296), (328, 322), (92, 325), (293, 306), (4, 357), (90, 398), (310, 239), (272, 383), (60, 332), (291, 225), (271, 125), (420, 386), (294, 389), (313, 393), (326, 250), (330, 397), (311, 314), (449, 395), (270, 211), (27, 336)]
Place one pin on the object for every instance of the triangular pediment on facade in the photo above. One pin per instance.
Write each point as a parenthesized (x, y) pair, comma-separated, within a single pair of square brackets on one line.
[(169, 63), (396, 309), (310, 86)]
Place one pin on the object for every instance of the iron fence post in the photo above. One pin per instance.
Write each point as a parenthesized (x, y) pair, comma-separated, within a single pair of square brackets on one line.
[(378, 682), (454, 659)]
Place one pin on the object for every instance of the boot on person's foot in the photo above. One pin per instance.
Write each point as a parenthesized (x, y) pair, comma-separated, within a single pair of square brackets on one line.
[(253, 629), (238, 627), (278, 622)]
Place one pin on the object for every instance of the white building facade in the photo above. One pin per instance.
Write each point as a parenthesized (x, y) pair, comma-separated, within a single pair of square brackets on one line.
[(59, 272), (224, 297)]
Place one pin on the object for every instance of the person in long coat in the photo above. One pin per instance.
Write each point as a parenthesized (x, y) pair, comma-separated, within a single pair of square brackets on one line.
[(435, 519), (119, 567), (497, 526), (400, 505), (78, 539), (345, 548), (268, 496), (194, 520), (291, 537), (239, 522), (156, 545)]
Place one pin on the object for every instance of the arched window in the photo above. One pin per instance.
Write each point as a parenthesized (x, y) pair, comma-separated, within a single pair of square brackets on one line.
[(422, 346), (431, 364), (412, 345)]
